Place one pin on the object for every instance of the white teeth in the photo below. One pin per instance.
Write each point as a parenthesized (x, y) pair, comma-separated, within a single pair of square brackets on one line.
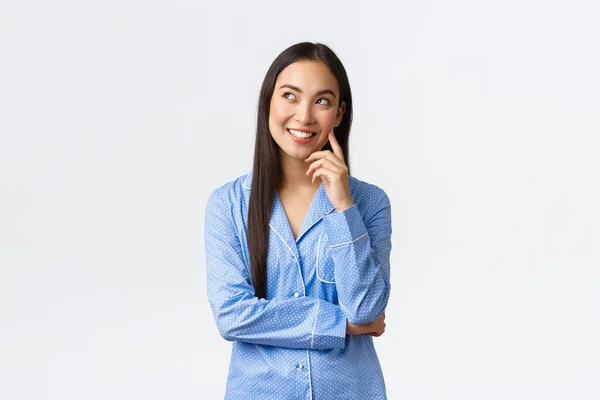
[(300, 135)]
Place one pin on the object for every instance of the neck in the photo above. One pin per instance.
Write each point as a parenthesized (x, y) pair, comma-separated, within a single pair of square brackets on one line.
[(294, 173)]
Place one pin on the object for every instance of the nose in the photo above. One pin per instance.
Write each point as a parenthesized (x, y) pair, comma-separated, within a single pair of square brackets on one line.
[(304, 113)]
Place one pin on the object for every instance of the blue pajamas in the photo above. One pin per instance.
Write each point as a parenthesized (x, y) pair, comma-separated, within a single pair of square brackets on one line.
[(293, 344)]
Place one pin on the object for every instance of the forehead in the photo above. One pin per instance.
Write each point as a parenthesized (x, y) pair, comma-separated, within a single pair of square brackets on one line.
[(308, 75)]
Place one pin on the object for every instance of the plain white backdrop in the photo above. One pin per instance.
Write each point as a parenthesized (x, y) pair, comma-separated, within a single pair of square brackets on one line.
[(479, 119)]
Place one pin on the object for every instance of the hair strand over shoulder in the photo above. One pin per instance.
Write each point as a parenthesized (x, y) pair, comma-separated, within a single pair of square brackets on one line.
[(266, 166)]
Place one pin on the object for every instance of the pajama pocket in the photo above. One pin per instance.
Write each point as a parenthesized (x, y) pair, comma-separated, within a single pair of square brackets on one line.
[(324, 262)]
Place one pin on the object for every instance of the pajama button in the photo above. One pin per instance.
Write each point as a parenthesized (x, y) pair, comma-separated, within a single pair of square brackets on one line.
[(296, 294), (299, 366)]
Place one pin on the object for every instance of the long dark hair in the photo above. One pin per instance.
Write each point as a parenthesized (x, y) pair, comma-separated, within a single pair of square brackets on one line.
[(267, 168)]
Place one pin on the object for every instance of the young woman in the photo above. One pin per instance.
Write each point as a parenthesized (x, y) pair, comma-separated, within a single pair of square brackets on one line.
[(297, 250)]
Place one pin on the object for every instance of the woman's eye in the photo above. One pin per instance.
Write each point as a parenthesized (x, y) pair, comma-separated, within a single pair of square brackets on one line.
[(289, 95), (323, 99)]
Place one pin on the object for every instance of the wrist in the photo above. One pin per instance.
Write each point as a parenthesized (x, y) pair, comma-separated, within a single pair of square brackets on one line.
[(352, 329), (344, 206)]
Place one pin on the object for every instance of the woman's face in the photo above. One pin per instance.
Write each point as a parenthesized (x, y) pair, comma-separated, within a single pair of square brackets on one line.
[(304, 102)]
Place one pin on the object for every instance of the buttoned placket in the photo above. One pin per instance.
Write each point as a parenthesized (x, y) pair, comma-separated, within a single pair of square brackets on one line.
[(319, 207)]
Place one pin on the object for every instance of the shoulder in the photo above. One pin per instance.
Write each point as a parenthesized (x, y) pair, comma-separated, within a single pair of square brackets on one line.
[(373, 204), (372, 201), (231, 192), (366, 194)]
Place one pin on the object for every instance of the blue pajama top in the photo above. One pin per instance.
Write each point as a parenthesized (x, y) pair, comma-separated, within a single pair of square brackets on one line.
[(293, 344)]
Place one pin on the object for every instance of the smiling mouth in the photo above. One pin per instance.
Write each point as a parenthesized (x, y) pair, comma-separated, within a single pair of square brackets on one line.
[(301, 134)]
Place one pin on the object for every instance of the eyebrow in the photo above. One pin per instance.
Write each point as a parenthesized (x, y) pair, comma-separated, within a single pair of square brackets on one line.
[(297, 89)]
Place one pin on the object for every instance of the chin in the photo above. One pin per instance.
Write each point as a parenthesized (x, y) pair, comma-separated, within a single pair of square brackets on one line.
[(299, 154)]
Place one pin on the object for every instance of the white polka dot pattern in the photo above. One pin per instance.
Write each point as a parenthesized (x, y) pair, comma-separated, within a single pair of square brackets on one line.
[(293, 344)]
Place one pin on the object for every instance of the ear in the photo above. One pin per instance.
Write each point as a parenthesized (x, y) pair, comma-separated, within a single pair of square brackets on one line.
[(340, 114)]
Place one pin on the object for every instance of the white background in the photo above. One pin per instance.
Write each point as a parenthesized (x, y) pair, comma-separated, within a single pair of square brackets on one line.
[(479, 119)]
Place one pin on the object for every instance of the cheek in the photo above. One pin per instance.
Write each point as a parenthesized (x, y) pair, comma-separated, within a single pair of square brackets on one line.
[(328, 118), (280, 112)]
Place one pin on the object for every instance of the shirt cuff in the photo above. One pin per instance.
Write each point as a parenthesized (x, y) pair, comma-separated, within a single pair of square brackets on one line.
[(329, 329), (345, 226)]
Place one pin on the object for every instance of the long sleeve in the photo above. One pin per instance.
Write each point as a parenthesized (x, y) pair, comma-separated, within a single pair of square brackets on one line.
[(361, 255), (295, 322)]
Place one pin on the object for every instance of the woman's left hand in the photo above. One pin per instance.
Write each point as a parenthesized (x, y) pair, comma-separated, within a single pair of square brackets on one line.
[(332, 170)]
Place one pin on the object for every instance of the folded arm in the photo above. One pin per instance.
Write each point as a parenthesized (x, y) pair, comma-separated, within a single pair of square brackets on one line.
[(361, 254), (295, 322)]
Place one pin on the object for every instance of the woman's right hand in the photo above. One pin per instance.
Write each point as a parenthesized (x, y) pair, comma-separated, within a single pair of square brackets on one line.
[(374, 328)]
